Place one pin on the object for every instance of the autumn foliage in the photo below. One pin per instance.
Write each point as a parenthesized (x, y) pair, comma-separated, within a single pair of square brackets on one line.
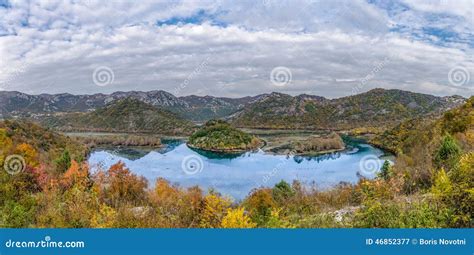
[(430, 186)]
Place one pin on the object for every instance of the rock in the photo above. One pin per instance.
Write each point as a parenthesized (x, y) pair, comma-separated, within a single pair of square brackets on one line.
[(140, 211), (340, 214)]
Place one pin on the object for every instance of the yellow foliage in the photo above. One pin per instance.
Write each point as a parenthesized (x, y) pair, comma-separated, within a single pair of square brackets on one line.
[(29, 153), (466, 166), (79, 206), (277, 221), (442, 185), (5, 144), (165, 194), (260, 203), (376, 189), (236, 218), (49, 214), (214, 210), (470, 137), (467, 162), (104, 218)]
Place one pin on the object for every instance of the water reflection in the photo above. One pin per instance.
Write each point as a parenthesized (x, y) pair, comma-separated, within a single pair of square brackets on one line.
[(236, 174)]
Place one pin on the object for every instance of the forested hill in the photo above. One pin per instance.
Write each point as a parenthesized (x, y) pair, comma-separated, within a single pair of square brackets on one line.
[(39, 147), (126, 115), (218, 135), (274, 110), (375, 108), (423, 134)]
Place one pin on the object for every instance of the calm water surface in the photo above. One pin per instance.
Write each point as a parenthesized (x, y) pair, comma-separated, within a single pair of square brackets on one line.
[(237, 175)]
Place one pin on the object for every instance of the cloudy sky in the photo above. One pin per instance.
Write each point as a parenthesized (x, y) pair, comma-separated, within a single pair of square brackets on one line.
[(237, 48)]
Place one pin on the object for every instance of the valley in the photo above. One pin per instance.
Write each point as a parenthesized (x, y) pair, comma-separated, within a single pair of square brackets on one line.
[(302, 161), (333, 127)]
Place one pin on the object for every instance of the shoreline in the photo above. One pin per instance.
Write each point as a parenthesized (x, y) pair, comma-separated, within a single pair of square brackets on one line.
[(230, 151), (119, 139)]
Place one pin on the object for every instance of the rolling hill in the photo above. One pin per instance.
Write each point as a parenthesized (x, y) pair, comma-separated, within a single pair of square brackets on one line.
[(126, 115), (38, 145), (416, 135), (375, 108)]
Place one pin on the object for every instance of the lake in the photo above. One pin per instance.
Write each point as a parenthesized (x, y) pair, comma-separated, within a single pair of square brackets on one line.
[(237, 175)]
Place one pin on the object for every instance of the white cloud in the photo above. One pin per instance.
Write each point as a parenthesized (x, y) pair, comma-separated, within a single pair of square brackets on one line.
[(462, 8), (54, 46)]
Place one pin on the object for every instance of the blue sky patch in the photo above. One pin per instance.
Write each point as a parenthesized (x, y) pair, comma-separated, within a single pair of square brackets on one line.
[(5, 4), (198, 18)]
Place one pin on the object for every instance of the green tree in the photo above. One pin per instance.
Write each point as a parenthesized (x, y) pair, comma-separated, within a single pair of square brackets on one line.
[(447, 154), (260, 204), (63, 162), (386, 170), (282, 191)]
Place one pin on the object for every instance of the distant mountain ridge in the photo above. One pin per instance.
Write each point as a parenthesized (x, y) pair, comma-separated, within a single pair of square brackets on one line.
[(273, 110), (195, 108)]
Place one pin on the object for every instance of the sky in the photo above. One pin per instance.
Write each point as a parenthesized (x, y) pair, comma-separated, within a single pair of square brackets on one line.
[(330, 48)]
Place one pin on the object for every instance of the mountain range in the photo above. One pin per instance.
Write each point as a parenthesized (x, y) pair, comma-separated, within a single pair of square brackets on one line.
[(373, 108), (195, 108), (377, 107)]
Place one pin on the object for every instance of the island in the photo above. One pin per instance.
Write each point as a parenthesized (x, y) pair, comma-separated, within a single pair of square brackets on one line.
[(302, 142), (220, 136)]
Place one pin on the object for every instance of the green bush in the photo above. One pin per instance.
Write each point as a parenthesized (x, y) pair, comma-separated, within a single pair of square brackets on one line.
[(17, 214), (386, 170), (63, 162), (375, 214), (460, 195), (447, 154), (282, 191)]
